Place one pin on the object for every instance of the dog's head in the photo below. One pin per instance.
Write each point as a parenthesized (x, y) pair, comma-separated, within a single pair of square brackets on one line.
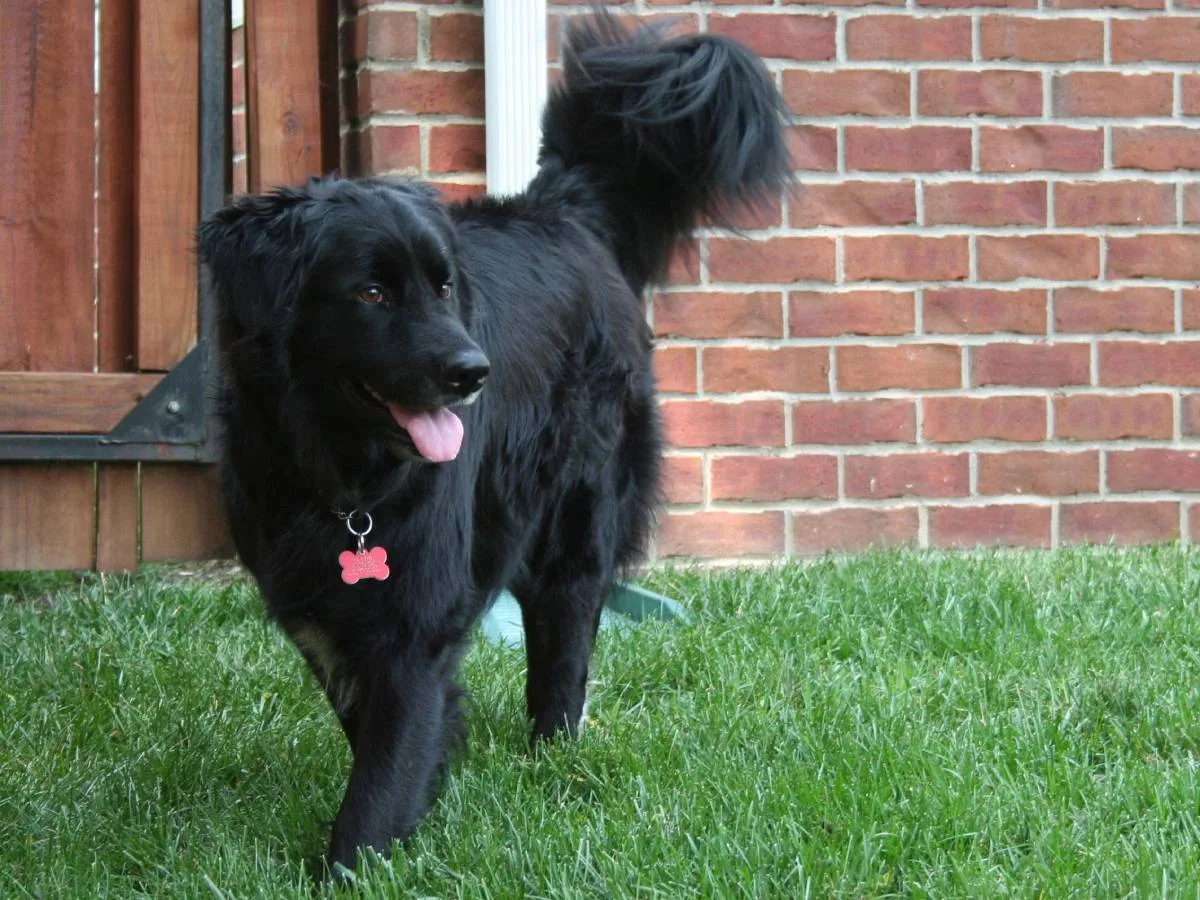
[(354, 288)]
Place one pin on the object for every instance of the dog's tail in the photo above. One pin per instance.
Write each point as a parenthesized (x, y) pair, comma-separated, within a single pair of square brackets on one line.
[(657, 133)]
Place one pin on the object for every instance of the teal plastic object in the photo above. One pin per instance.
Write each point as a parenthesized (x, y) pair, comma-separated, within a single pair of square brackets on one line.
[(625, 605)]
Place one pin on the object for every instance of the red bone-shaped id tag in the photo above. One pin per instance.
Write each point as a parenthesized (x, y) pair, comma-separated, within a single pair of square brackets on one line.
[(363, 563)]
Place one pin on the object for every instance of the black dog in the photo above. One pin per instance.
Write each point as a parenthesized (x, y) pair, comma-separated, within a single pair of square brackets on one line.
[(361, 322)]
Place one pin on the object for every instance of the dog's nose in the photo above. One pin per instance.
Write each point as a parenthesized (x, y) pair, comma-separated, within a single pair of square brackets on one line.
[(466, 371)]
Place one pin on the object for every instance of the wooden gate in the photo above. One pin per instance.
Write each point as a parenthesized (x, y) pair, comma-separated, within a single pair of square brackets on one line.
[(105, 333)]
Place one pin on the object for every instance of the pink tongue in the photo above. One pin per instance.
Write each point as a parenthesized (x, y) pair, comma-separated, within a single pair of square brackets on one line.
[(438, 435)]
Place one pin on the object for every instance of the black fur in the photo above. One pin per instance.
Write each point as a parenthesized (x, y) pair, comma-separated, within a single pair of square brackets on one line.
[(555, 487)]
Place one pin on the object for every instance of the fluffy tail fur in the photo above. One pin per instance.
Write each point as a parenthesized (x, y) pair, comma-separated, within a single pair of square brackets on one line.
[(660, 132)]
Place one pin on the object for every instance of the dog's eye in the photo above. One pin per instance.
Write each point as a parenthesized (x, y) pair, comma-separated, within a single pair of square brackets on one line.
[(372, 294), (446, 290)]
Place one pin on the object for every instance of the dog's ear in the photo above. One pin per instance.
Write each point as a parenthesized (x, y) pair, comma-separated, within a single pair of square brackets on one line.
[(252, 252)]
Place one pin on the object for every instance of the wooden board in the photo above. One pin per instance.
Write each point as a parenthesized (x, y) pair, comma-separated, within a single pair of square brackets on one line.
[(116, 517), (283, 92), (167, 179), (182, 517), (69, 403), (46, 516), (116, 225), (46, 185)]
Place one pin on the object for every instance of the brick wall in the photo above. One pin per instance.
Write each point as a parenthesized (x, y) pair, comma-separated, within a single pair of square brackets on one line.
[(975, 319)]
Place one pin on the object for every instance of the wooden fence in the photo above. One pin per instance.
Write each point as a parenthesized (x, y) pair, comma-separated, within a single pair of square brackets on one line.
[(105, 335)]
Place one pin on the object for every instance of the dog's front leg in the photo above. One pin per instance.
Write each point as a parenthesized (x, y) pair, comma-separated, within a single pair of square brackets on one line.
[(404, 713)]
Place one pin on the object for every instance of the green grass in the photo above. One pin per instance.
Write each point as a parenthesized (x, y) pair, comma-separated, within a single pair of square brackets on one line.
[(889, 725)]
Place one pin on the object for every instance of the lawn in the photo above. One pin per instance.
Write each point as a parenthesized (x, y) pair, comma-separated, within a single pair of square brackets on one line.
[(896, 724)]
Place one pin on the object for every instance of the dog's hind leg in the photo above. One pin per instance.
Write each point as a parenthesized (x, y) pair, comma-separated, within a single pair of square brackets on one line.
[(560, 618), (561, 597)]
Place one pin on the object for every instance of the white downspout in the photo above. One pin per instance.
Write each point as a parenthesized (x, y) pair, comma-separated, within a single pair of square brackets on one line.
[(514, 63)]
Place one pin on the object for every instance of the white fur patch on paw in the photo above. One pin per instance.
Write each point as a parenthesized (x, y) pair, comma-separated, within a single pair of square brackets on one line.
[(583, 715)]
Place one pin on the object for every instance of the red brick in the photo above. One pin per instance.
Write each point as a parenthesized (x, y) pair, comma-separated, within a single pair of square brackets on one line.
[(953, 420), (1088, 311), (1103, 4), (554, 27), (719, 315), (854, 422), (389, 148), (703, 423), (917, 148), (794, 369), (1030, 148), (907, 475), (685, 263), (1112, 94), (1191, 203), (1123, 522), (238, 87), (850, 312), (1172, 256), (458, 191), (1131, 363), (383, 34), (1156, 148), (992, 92), (1191, 421), (780, 260), (976, 311), (1166, 39), (853, 203), (764, 213), (986, 204), (961, 4), (846, 93), (774, 478), (239, 136), (1041, 40), (456, 37), (1153, 469), (1190, 85), (1031, 365), (1191, 309), (1055, 256), (1039, 473), (917, 366), (358, 4), (674, 23), (1100, 417), (420, 91), (1114, 203), (675, 369), (821, 2), (995, 525), (721, 534), (457, 148), (787, 36), (683, 479), (852, 530), (813, 148), (908, 38), (905, 257)]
